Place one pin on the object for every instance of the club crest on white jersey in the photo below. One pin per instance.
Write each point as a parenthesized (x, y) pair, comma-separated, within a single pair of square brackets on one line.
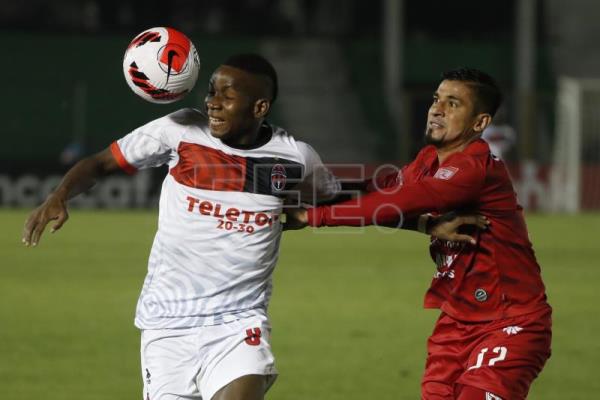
[(278, 178)]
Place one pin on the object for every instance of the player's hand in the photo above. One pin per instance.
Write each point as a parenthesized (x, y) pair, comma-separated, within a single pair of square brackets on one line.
[(53, 209), (446, 227), (295, 218)]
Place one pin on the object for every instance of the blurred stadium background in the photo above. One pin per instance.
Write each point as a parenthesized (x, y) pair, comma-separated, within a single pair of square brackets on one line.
[(356, 80)]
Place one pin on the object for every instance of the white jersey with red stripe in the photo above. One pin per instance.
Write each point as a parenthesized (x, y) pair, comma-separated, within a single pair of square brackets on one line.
[(218, 228)]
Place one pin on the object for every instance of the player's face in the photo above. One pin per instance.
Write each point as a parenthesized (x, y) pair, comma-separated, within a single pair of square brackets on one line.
[(230, 103), (452, 118)]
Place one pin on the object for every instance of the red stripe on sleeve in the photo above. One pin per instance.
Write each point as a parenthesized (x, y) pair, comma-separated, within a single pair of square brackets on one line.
[(120, 158)]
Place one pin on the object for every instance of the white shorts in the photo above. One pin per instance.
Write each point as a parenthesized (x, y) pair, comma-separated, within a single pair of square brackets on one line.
[(194, 363)]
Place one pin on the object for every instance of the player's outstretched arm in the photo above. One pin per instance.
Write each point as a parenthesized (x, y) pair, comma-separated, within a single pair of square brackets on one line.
[(445, 227), (78, 179)]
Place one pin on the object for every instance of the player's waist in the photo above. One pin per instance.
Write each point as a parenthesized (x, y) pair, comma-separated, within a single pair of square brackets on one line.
[(144, 320), (459, 313), (198, 244), (481, 303)]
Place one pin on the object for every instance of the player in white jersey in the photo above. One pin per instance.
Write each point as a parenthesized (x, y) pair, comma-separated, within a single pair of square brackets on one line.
[(218, 230), (202, 310)]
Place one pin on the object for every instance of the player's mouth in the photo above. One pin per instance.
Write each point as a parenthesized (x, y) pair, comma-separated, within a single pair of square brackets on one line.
[(216, 123), (436, 124)]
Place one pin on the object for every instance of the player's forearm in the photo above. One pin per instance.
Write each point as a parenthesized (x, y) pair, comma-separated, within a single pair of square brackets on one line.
[(84, 175), (414, 224), (80, 178), (373, 208)]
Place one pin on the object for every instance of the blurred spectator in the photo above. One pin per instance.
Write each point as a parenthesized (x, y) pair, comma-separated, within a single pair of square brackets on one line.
[(91, 16), (262, 17), (294, 12)]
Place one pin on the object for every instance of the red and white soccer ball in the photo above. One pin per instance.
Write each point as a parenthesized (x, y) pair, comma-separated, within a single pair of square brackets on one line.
[(161, 65)]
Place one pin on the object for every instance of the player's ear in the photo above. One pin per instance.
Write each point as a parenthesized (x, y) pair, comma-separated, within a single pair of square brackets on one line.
[(482, 121), (261, 108)]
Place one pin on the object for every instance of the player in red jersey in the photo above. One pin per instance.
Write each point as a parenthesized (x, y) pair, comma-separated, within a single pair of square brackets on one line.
[(493, 335)]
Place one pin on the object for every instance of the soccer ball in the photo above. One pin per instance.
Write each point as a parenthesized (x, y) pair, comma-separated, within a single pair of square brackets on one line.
[(161, 65)]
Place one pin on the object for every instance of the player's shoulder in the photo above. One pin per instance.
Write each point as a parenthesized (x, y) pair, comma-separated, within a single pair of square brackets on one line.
[(172, 127), (427, 153), (296, 149), (187, 117), (428, 150), (475, 155), (184, 123), (184, 117), (283, 139), (280, 134), (477, 148)]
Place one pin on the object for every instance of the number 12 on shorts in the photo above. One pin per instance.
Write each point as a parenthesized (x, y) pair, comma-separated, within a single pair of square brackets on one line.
[(501, 352)]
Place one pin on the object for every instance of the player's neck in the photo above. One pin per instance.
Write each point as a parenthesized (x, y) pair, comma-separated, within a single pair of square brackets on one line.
[(256, 138), (455, 147)]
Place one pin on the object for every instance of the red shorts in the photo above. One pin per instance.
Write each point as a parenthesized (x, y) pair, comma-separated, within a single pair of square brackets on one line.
[(501, 357)]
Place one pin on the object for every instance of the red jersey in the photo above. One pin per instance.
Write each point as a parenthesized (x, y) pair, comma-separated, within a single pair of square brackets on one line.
[(494, 279)]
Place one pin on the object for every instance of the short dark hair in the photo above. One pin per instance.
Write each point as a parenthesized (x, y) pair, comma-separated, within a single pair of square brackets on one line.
[(255, 64), (489, 96)]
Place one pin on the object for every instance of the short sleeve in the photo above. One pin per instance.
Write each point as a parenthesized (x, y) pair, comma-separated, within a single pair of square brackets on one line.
[(145, 147), (318, 183)]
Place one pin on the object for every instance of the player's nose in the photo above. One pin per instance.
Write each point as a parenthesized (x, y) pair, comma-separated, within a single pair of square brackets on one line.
[(436, 110), (212, 103)]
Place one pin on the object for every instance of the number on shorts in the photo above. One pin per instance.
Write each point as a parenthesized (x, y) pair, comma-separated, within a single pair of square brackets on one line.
[(253, 336), (500, 350)]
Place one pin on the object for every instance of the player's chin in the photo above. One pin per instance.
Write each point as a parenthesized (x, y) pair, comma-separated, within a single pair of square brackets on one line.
[(434, 136), (220, 131)]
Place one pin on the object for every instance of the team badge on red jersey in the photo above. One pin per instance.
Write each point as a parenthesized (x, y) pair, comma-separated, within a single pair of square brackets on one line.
[(512, 330), (445, 173), (481, 295), (278, 177)]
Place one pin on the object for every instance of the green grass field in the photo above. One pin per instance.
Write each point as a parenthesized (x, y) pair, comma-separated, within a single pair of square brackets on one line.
[(346, 310)]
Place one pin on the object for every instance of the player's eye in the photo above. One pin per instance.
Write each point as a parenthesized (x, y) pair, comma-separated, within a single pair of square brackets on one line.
[(228, 94)]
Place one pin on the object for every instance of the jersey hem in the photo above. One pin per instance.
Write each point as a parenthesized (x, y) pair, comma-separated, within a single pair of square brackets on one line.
[(488, 317)]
